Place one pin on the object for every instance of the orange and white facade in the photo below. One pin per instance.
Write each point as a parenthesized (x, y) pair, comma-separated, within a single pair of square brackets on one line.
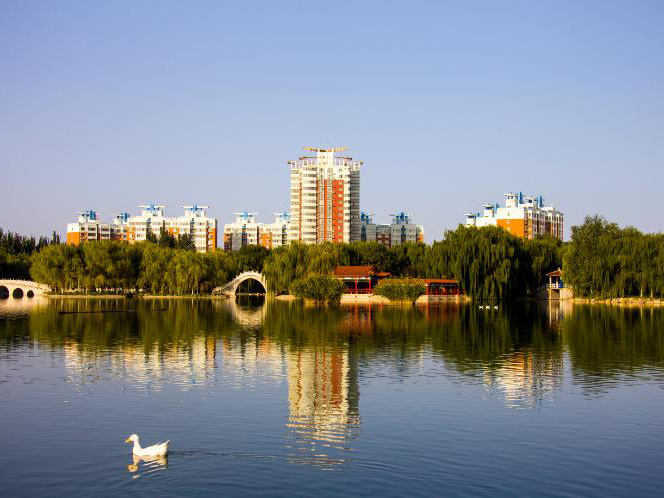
[(325, 198), (247, 231), (523, 216), (194, 224), (276, 234), (89, 229)]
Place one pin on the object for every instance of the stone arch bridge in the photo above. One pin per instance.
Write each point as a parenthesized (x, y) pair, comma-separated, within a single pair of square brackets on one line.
[(230, 288), (18, 289)]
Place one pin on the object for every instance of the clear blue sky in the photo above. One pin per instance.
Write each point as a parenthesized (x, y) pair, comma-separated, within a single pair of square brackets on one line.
[(109, 104)]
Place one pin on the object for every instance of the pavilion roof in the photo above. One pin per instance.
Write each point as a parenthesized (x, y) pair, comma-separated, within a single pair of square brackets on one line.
[(354, 271)]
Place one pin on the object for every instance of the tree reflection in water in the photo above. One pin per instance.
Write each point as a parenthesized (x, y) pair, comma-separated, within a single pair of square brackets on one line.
[(518, 352)]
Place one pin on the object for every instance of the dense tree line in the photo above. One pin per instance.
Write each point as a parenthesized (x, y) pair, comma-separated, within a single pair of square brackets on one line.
[(488, 262), (601, 260), (13, 243), (15, 252), (146, 265), (606, 261)]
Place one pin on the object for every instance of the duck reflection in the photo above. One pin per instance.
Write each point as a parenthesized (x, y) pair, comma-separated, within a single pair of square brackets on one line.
[(147, 464)]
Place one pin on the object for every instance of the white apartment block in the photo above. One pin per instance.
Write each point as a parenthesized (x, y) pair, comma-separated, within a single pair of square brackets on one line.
[(194, 224), (523, 216), (88, 228), (247, 231), (325, 197), (243, 232), (276, 234)]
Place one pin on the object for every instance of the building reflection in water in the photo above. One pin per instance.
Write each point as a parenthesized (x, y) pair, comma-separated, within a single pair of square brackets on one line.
[(526, 378), (535, 373), (323, 400), (185, 365)]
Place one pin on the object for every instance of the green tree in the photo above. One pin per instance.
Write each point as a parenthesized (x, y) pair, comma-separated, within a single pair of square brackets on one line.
[(400, 289), (320, 288)]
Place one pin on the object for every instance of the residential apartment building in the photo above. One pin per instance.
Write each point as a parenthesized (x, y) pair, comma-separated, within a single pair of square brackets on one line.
[(401, 230), (243, 232), (325, 197), (247, 231), (367, 227), (87, 228), (194, 224), (523, 216), (276, 234)]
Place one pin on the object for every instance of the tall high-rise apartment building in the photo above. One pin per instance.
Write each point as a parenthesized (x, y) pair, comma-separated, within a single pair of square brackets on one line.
[(523, 216), (325, 197)]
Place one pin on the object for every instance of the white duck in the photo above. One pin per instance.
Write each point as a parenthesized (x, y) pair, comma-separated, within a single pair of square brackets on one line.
[(158, 449)]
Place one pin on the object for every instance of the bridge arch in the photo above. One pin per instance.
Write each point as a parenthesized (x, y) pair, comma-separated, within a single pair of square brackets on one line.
[(231, 287), (19, 289)]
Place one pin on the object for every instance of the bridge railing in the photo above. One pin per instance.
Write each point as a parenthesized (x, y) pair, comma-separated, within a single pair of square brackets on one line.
[(21, 281)]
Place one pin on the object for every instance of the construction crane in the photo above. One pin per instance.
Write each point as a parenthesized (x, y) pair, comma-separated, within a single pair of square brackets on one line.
[(318, 149)]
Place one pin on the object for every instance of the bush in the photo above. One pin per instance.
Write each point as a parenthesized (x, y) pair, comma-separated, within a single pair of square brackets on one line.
[(400, 289), (320, 288)]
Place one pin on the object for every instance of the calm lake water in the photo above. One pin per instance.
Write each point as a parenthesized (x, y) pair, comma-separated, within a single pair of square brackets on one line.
[(275, 398)]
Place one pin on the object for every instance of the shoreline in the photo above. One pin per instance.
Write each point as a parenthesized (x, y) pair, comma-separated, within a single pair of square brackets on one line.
[(350, 299), (135, 296), (627, 302)]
